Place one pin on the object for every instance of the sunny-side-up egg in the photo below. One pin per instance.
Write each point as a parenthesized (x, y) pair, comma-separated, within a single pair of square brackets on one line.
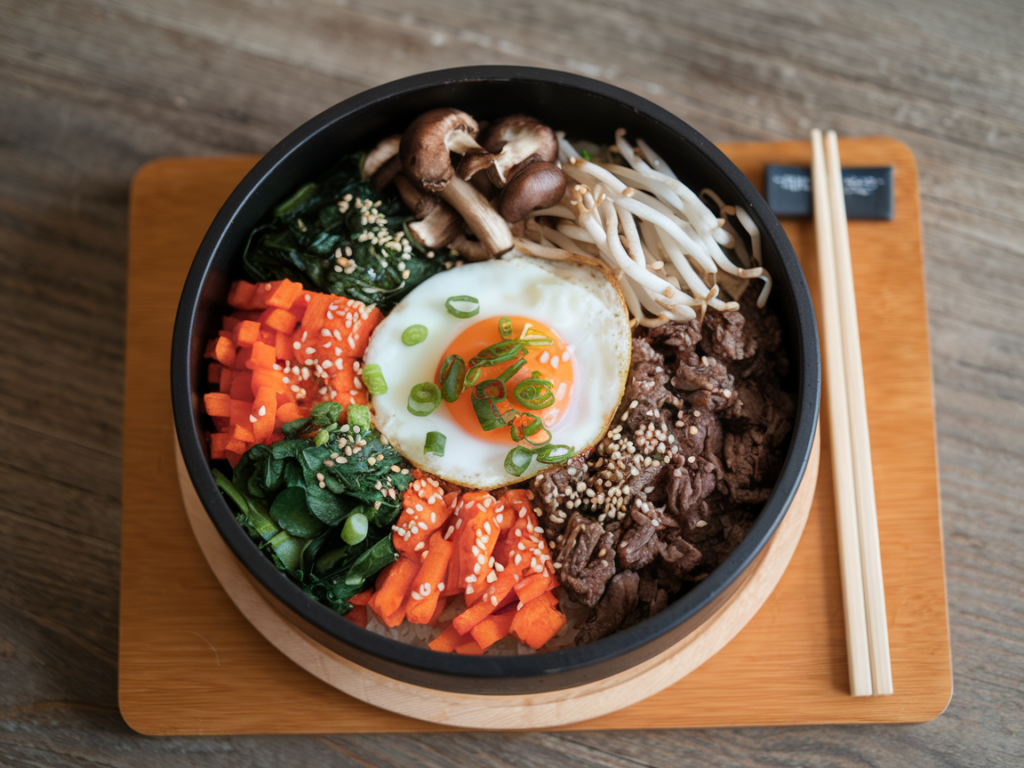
[(582, 369)]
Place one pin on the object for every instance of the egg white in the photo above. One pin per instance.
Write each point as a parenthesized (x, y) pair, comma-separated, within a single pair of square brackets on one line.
[(578, 302)]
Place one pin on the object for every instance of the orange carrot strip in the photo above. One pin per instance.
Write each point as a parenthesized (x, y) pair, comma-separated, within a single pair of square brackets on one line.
[(262, 356), (224, 351), (284, 294), (488, 603), (213, 371), (246, 333), (430, 575), (217, 404), (448, 640), (241, 385), (492, 629), (442, 603), (537, 622), (264, 408), (358, 615), (534, 585), (362, 598), (227, 375), (423, 512), (289, 412), (470, 649), (240, 295), (396, 586), (218, 442)]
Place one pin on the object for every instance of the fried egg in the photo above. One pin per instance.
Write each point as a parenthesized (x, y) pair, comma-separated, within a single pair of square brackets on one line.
[(574, 319)]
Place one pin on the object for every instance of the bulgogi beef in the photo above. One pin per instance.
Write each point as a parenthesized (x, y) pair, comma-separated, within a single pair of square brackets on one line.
[(680, 478)]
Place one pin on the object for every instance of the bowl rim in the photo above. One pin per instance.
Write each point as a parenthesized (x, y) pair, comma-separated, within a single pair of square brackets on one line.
[(620, 643)]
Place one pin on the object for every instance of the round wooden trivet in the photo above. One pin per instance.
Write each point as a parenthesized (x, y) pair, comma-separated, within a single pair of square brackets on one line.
[(542, 710)]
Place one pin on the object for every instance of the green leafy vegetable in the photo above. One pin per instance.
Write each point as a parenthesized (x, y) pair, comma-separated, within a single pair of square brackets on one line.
[(337, 235), (323, 516)]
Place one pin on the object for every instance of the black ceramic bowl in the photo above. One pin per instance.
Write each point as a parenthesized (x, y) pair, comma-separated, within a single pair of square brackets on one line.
[(584, 109)]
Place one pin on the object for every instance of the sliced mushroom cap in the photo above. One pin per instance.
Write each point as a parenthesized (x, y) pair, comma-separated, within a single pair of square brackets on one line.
[(511, 142), (426, 144), (538, 185)]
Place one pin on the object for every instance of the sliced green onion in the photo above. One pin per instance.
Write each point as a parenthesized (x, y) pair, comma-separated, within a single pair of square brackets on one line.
[(452, 378), (471, 311), (537, 341), (512, 370), (535, 393), (541, 441), (485, 397), (413, 335), (373, 378), (505, 328), (473, 376), (533, 425), (355, 528), (555, 454), (518, 460), (492, 389), (435, 443), (359, 416), (501, 352), (424, 399)]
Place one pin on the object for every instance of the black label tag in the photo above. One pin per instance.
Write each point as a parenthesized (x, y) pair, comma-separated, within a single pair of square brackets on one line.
[(868, 192)]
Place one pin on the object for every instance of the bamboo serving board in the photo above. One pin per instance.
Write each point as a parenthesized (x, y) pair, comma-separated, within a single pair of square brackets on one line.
[(190, 663)]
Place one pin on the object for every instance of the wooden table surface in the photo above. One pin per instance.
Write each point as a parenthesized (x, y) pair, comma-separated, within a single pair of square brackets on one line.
[(92, 89)]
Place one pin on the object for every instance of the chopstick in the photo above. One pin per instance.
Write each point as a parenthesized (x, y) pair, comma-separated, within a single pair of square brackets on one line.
[(867, 513), (847, 529)]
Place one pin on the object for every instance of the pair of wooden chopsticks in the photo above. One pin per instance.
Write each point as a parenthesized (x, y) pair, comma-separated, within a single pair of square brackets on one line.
[(867, 636)]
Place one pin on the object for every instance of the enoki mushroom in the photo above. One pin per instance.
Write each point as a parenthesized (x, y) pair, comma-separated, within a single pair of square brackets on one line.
[(663, 241)]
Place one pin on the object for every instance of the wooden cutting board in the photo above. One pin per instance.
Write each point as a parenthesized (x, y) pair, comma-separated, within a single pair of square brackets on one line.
[(190, 663)]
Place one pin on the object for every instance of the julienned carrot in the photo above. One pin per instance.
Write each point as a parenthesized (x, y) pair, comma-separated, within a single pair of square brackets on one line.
[(217, 404), (429, 580), (264, 409), (475, 542), (509, 505), (362, 598), (492, 629), (488, 603), (246, 333), (448, 640), (423, 513), (537, 622), (390, 595), (534, 585), (358, 615), (471, 648)]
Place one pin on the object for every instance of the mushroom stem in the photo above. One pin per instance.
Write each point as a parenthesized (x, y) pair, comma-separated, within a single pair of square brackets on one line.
[(490, 229), (438, 223)]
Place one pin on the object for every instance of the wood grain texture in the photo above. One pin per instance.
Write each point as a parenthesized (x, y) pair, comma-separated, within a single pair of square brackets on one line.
[(91, 90), (167, 685)]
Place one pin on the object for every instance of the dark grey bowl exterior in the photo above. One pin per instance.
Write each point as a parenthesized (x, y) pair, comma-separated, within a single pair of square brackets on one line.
[(584, 108)]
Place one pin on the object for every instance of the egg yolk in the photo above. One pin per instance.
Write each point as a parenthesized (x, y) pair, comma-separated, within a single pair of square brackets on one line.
[(551, 361)]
